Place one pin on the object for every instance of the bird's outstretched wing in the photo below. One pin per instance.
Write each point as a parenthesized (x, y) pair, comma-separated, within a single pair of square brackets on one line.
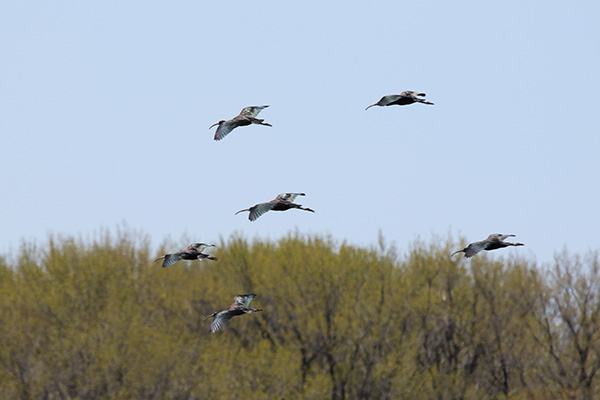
[(407, 93), (243, 300), (169, 259), (199, 246), (252, 111), (392, 98), (259, 210), (225, 128), (415, 96), (501, 237), (289, 196), (221, 319), (475, 248)]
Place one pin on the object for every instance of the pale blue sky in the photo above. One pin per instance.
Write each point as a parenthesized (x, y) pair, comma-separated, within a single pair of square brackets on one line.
[(106, 107)]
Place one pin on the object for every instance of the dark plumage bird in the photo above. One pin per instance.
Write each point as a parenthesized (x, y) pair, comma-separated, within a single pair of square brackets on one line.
[(282, 202), (241, 305), (192, 252), (402, 99), (493, 242), (246, 117)]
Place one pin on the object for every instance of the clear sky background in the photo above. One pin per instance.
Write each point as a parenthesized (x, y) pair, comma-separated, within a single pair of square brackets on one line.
[(106, 107)]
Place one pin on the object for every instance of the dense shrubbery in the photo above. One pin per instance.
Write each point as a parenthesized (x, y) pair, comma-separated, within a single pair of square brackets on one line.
[(96, 318)]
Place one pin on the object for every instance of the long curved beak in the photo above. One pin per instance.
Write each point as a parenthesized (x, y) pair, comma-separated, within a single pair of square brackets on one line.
[(245, 209), (457, 251), (215, 124), (370, 106), (210, 316)]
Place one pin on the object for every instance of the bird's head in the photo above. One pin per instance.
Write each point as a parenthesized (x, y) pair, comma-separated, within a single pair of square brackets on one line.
[(217, 123)]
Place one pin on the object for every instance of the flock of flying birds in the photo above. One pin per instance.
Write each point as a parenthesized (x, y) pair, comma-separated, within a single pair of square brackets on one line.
[(285, 201)]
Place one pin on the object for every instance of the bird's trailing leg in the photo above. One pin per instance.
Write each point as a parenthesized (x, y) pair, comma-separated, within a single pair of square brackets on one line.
[(259, 121), (513, 244)]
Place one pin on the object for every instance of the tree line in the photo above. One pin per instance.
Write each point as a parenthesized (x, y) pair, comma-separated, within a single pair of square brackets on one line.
[(97, 318)]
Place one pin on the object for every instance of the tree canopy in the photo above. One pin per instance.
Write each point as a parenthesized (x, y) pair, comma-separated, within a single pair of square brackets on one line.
[(97, 318)]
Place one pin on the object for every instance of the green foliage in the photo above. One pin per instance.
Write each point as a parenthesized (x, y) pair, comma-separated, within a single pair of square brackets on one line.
[(97, 318)]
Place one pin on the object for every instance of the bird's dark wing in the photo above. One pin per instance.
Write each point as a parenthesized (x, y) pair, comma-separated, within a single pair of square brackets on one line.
[(475, 248), (289, 196), (220, 320), (392, 98), (225, 128), (171, 259), (259, 210), (243, 300)]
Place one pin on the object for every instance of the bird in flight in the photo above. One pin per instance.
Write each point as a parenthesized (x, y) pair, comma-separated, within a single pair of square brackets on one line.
[(282, 202), (241, 305), (493, 242), (246, 117), (402, 99), (192, 252)]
